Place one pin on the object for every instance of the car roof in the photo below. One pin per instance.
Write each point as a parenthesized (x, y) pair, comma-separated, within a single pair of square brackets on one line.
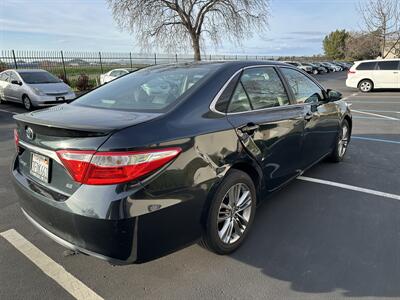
[(376, 60), (26, 70)]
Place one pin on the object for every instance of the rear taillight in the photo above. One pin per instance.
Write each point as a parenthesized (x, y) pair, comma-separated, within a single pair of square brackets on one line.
[(351, 72), (101, 168), (16, 139)]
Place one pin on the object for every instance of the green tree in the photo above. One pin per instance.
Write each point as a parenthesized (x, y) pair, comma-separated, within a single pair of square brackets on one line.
[(335, 44)]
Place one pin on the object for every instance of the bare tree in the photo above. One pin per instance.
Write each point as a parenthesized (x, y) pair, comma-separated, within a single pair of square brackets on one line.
[(382, 18), (175, 24)]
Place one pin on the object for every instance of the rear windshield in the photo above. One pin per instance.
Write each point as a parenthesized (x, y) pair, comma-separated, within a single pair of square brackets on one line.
[(38, 77), (153, 89)]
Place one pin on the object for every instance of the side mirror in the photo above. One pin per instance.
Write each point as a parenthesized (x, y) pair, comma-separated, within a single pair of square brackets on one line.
[(16, 82), (334, 95)]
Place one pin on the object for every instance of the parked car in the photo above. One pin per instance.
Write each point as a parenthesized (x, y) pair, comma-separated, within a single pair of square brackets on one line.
[(113, 74), (315, 69), (367, 75), (128, 175), (330, 67), (33, 88), (343, 65), (324, 68), (300, 65)]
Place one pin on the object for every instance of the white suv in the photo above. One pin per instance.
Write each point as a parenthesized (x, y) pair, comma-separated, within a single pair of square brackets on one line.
[(367, 75)]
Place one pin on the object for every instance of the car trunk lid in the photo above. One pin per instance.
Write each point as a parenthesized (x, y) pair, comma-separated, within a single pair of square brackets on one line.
[(42, 133)]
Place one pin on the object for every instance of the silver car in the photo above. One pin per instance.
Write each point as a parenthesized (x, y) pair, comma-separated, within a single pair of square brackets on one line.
[(33, 88)]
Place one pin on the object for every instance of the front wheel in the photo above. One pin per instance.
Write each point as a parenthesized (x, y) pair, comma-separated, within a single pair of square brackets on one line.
[(342, 143), (231, 213), (27, 103)]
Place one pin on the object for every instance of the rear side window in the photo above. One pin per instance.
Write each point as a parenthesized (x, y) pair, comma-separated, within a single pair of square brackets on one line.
[(152, 89), (367, 66), (388, 65), (258, 88), (303, 88)]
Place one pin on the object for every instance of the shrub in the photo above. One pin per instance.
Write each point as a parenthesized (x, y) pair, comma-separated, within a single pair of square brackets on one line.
[(64, 78), (83, 83)]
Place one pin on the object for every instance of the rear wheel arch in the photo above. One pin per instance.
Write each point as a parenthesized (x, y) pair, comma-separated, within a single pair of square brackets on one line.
[(255, 175), (243, 166)]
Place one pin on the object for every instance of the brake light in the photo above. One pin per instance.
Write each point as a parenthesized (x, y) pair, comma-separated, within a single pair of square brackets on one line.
[(16, 139), (351, 72), (102, 168)]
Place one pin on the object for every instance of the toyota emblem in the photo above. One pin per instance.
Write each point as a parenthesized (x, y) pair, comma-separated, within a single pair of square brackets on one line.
[(29, 133)]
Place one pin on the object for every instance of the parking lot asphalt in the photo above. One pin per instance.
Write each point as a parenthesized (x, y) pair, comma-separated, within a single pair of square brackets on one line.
[(311, 240)]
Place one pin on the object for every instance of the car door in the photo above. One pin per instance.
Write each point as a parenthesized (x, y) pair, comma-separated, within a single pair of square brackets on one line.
[(267, 125), (386, 74), (322, 117), (15, 90), (6, 87)]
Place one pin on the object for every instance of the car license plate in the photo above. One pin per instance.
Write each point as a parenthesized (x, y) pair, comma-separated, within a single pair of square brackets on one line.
[(60, 98), (40, 167)]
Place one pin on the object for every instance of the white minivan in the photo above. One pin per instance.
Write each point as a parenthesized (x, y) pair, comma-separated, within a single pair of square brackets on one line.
[(367, 75)]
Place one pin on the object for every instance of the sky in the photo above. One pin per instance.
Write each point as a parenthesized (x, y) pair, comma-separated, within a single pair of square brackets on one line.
[(296, 27)]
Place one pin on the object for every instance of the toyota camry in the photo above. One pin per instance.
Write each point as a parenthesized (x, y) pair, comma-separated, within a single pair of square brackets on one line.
[(172, 155)]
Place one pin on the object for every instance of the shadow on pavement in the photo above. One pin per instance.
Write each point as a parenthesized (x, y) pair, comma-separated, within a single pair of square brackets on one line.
[(322, 239)]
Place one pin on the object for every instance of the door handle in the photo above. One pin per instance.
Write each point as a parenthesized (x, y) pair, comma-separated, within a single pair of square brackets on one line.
[(395, 72), (308, 116), (249, 128)]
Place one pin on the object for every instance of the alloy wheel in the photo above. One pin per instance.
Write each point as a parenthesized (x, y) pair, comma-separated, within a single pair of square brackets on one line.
[(365, 86), (234, 213), (27, 103), (343, 141)]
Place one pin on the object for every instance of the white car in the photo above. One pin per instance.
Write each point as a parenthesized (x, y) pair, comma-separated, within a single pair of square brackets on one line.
[(111, 75), (367, 75)]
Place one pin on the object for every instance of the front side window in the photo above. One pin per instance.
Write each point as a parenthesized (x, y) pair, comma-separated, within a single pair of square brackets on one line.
[(389, 65), (32, 77), (13, 77), (303, 88), (152, 89)]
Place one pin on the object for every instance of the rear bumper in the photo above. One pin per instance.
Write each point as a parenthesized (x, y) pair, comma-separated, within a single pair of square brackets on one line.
[(67, 244), (352, 83), (127, 232)]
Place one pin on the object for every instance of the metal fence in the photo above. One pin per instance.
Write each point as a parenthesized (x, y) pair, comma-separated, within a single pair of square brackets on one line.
[(70, 64)]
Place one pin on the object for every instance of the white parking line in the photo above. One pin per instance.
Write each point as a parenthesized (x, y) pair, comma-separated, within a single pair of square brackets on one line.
[(52, 269), (10, 112), (350, 187), (374, 140), (376, 115)]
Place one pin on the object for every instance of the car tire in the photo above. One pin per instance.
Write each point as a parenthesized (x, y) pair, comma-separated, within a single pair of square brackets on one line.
[(365, 86), (27, 103), (342, 142), (229, 216)]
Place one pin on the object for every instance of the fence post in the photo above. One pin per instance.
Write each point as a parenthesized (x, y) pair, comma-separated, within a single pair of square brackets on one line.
[(101, 63), (176, 57), (130, 58), (256, 57), (155, 58), (15, 61), (210, 56), (63, 63)]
